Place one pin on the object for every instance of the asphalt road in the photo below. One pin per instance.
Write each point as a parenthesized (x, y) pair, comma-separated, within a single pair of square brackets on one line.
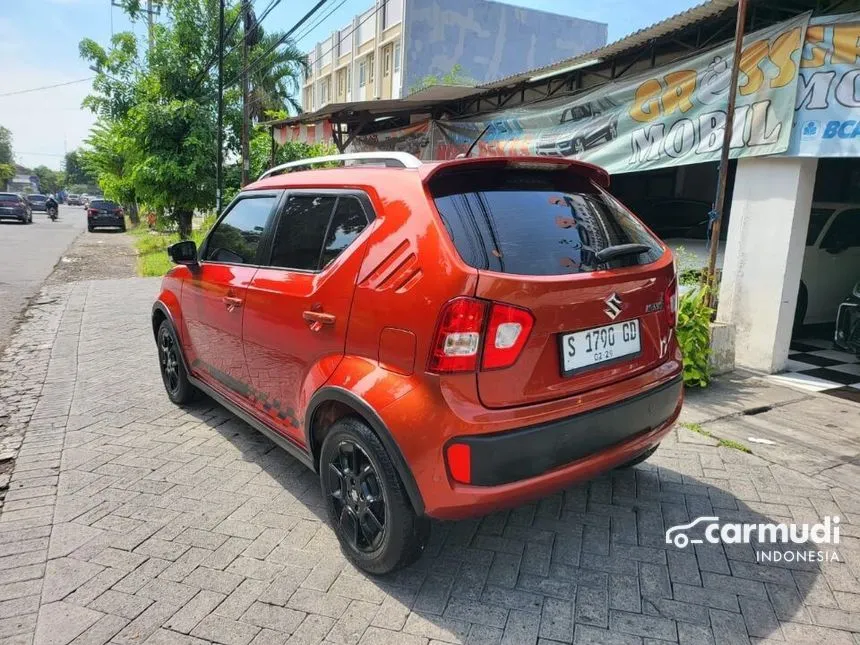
[(28, 254)]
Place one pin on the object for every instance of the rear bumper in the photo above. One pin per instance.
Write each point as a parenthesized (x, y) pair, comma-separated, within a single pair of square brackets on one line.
[(517, 455), (94, 222), (18, 215)]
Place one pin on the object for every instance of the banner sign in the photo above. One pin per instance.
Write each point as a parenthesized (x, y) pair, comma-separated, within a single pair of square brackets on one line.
[(414, 139), (668, 116), (827, 122)]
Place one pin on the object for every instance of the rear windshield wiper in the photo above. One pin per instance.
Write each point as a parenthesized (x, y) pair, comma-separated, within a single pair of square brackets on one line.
[(620, 250)]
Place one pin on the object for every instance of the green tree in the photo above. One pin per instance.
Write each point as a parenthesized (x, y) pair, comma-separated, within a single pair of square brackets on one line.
[(7, 172), (110, 156), (156, 138), (6, 154), (75, 171), (50, 181), (276, 82)]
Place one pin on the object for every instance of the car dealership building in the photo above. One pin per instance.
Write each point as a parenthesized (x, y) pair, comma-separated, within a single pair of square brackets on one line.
[(651, 109)]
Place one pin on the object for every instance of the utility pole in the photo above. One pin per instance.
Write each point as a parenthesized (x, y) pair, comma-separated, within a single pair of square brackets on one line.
[(720, 200), (246, 89), (219, 178), (153, 8)]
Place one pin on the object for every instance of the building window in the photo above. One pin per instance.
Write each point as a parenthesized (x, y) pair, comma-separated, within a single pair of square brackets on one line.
[(349, 79), (370, 68), (362, 73), (341, 77), (324, 92), (396, 58), (386, 62)]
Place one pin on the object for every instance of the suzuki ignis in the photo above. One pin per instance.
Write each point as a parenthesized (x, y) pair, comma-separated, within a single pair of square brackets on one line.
[(436, 340)]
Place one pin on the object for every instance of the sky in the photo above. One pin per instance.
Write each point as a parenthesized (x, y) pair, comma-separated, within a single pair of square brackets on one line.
[(39, 46)]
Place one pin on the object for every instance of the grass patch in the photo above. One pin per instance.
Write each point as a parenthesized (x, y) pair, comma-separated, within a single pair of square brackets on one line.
[(151, 246), (725, 443)]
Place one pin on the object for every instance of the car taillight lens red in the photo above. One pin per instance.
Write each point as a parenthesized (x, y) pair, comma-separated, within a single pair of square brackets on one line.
[(507, 332), (459, 457), (461, 336), (670, 304), (458, 336), (92, 212)]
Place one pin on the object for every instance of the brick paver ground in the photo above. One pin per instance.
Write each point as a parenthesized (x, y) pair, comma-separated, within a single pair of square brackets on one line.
[(128, 521)]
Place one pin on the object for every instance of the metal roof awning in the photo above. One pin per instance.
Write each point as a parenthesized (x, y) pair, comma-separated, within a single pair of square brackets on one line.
[(696, 14), (414, 103)]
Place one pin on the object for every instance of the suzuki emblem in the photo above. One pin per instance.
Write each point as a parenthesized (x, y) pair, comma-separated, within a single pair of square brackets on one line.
[(613, 306)]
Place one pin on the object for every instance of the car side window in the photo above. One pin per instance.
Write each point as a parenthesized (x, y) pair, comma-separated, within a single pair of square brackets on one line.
[(301, 231), (235, 239), (347, 224), (844, 233)]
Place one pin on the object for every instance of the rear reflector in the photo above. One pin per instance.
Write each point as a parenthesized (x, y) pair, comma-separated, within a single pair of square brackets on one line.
[(459, 457), (670, 304)]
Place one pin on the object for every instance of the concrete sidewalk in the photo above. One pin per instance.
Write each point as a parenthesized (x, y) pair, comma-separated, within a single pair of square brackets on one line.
[(128, 520)]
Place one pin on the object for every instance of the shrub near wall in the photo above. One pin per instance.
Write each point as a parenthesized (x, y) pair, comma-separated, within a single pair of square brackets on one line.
[(694, 336)]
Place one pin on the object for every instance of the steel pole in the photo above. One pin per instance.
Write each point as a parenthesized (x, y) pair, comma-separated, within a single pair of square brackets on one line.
[(219, 178), (720, 200)]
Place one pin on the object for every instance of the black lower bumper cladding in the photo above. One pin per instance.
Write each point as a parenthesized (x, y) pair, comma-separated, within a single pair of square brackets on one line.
[(514, 455)]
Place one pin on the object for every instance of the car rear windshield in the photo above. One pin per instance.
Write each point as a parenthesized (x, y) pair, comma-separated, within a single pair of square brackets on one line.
[(535, 222), (8, 197), (38, 198), (103, 204)]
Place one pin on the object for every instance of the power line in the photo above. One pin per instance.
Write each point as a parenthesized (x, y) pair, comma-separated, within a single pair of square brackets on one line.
[(262, 57), (322, 19), (47, 87), (354, 29)]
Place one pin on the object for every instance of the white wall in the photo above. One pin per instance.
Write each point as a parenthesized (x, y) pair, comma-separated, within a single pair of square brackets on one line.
[(764, 255)]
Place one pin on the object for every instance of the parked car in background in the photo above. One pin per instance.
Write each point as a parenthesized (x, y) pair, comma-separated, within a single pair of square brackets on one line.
[(831, 261), (436, 340), (14, 206), (73, 200), (37, 202), (847, 333), (102, 213)]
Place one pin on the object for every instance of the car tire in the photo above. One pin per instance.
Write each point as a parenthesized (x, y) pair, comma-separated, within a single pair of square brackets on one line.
[(90, 229), (802, 305), (640, 458), (122, 228), (173, 375), (359, 485)]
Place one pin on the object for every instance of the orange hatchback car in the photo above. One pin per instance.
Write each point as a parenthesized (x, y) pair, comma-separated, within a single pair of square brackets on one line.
[(434, 339)]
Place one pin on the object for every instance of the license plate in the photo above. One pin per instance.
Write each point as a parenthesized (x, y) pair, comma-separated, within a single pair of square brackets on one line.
[(582, 349)]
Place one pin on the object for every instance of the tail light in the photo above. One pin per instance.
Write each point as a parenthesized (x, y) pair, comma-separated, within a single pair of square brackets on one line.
[(507, 332), (458, 336), (458, 341), (92, 212), (670, 303)]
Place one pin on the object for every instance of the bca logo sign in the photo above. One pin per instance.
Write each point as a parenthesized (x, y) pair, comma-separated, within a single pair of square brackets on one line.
[(810, 130), (841, 129)]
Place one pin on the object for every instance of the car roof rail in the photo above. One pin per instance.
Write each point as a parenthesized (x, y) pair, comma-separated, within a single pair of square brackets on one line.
[(387, 159)]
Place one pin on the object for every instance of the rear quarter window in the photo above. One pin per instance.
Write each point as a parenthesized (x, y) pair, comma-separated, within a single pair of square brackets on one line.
[(536, 222)]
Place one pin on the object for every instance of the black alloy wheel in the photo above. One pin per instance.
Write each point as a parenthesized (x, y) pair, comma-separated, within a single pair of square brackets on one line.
[(366, 502), (358, 496), (173, 374)]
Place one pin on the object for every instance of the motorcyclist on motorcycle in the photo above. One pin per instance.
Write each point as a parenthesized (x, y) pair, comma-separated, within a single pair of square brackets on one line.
[(51, 207)]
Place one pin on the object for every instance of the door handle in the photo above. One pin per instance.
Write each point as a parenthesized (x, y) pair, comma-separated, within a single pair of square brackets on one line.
[(317, 319), (231, 302)]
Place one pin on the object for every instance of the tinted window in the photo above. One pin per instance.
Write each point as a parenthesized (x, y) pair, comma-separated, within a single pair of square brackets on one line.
[(301, 231), (236, 237), (844, 232), (535, 222), (817, 220), (347, 224), (37, 198), (104, 205)]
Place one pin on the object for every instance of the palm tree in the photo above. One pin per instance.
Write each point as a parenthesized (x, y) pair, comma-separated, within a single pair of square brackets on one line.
[(276, 82)]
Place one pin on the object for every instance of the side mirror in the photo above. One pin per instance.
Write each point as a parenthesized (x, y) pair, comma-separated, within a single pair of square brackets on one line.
[(184, 252)]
